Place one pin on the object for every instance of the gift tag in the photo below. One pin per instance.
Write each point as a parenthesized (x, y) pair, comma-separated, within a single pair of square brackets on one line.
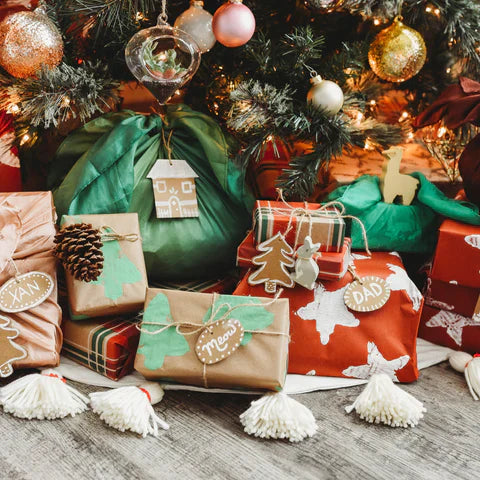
[(25, 291), (9, 350), (273, 262), (367, 294), (174, 189), (219, 340)]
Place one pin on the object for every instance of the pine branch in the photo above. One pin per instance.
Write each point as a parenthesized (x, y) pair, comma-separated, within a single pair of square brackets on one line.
[(59, 94)]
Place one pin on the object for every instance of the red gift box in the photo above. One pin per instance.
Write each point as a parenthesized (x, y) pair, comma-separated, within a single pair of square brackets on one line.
[(452, 297), (450, 329), (457, 257), (329, 339), (332, 265), (325, 227)]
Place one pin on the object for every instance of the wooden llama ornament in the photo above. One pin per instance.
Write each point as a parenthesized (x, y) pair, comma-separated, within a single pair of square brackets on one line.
[(394, 184), (306, 269)]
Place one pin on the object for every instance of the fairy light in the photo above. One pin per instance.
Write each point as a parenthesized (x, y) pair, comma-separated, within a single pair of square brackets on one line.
[(441, 132), (13, 109), (373, 103), (410, 135), (368, 144), (139, 16), (437, 12), (178, 92), (359, 116), (448, 70), (376, 22), (428, 9), (269, 138), (65, 101), (25, 139)]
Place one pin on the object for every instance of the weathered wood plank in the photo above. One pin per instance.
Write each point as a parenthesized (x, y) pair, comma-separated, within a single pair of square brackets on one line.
[(206, 440)]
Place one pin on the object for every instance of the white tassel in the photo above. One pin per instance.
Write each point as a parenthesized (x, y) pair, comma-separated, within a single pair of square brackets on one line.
[(130, 408), (464, 363), (276, 415), (383, 402), (42, 396)]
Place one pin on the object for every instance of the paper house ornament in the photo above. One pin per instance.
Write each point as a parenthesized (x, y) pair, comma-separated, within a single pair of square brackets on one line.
[(174, 189)]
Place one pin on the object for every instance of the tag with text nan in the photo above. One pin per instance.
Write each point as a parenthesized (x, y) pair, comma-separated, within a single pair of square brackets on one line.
[(25, 291)]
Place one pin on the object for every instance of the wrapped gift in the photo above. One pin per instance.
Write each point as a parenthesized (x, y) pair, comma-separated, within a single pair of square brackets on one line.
[(222, 285), (450, 329), (298, 220), (214, 340), (457, 257), (121, 283), (327, 338), (453, 298), (332, 265), (28, 292), (107, 346)]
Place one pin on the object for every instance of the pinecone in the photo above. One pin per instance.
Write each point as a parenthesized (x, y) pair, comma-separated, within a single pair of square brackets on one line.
[(78, 247)]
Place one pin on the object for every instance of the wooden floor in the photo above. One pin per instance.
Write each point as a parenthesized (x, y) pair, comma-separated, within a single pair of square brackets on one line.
[(206, 441)]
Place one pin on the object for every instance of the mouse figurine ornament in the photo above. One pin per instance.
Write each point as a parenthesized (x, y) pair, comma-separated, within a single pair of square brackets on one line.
[(306, 269)]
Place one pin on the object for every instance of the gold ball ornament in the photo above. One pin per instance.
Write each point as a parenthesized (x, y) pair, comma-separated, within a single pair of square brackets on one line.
[(325, 95), (29, 40), (397, 53)]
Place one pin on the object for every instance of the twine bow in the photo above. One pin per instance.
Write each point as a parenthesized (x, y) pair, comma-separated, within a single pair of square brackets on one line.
[(332, 209), (194, 328), (108, 234)]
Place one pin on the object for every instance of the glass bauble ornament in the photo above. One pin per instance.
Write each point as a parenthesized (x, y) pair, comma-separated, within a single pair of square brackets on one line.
[(324, 5), (163, 59), (397, 53), (325, 95), (197, 22), (233, 24), (29, 40)]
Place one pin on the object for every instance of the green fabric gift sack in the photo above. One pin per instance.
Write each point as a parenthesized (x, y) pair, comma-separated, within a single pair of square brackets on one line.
[(411, 228), (103, 168)]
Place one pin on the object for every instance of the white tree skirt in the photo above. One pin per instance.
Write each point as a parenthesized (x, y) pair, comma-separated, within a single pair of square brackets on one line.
[(428, 354)]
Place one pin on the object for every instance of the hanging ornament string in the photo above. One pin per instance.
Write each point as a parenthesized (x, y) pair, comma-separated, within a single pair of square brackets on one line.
[(195, 328), (167, 144), (163, 17)]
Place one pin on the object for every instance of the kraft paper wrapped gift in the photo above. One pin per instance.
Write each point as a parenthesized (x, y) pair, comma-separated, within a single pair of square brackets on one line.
[(450, 329), (332, 265), (121, 287), (174, 321), (324, 226), (27, 230), (329, 339), (457, 257), (107, 346)]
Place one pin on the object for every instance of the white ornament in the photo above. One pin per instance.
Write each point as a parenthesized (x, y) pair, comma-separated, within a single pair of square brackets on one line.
[(453, 322), (325, 95), (306, 269), (464, 363), (376, 363), (473, 240), (401, 281), (197, 22), (328, 310)]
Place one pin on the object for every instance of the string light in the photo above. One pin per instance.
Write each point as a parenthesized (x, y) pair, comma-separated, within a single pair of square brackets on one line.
[(376, 22), (13, 109), (25, 139), (373, 103), (368, 144), (269, 138), (448, 70), (441, 132), (65, 101)]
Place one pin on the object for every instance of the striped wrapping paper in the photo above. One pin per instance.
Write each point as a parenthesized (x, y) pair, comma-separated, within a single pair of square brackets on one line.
[(106, 346), (270, 217), (223, 285)]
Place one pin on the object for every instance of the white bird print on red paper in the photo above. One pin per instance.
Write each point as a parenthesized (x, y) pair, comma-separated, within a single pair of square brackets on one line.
[(376, 363)]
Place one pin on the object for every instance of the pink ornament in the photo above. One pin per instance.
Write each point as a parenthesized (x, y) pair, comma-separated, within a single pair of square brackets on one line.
[(233, 24)]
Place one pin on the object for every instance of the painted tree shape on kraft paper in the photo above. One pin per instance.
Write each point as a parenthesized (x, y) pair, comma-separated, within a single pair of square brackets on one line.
[(9, 350), (118, 270), (157, 343), (273, 264)]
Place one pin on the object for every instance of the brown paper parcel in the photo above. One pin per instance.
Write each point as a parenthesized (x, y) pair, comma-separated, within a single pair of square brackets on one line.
[(168, 353), (121, 287), (29, 217)]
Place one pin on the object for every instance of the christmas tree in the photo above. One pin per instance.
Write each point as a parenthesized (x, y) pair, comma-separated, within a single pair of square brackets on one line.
[(367, 83), (9, 350)]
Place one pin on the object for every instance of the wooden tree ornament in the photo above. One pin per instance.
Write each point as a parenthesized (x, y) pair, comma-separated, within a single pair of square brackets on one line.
[(394, 184), (276, 257)]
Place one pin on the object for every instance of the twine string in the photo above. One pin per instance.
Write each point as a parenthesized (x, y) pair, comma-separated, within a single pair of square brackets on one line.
[(167, 144), (109, 234)]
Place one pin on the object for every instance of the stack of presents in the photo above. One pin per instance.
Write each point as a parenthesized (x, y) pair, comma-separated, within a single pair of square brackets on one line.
[(304, 302)]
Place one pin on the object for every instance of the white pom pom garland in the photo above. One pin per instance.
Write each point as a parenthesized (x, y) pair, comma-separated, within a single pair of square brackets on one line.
[(276, 415), (383, 402), (42, 396)]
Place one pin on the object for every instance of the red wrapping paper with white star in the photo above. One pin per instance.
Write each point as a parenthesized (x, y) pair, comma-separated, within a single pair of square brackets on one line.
[(328, 339)]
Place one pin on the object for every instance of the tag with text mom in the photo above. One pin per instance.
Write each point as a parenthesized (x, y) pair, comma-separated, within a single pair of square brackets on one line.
[(25, 291)]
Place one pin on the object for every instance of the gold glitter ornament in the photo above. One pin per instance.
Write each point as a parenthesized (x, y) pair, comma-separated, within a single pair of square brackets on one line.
[(29, 40), (397, 53)]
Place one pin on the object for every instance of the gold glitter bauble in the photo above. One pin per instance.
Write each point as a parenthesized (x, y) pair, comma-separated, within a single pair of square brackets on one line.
[(397, 53), (29, 40)]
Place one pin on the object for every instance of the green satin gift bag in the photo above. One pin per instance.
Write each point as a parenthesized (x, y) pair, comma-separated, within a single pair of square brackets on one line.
[(103, 168)]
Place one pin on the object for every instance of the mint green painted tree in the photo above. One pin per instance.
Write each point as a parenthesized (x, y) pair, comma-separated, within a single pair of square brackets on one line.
[(167, 343), (118, 270), (251, 318)]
